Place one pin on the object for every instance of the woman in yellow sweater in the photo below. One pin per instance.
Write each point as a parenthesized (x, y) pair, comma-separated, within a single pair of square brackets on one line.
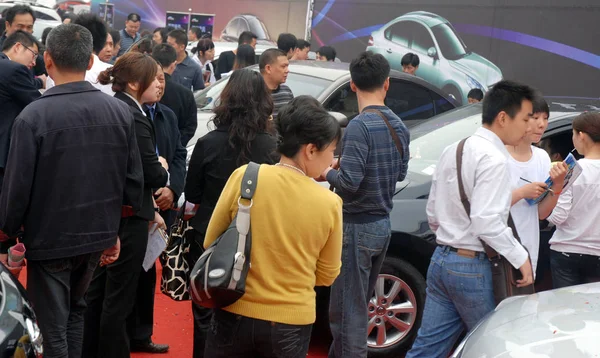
[(296, 241)]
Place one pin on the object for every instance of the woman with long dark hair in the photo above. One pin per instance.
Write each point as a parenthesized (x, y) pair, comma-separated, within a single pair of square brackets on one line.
[(243, 134), (296, 241), (244, 57), (111, 295)]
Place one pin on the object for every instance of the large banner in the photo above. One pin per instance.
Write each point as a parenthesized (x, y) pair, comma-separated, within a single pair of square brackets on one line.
[(465, 44)]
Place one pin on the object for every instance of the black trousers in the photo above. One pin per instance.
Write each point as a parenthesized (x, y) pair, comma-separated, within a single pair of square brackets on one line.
[(112, 295), (57, 289), (234, 336), (140, 323), (570, 269), (202, 316)]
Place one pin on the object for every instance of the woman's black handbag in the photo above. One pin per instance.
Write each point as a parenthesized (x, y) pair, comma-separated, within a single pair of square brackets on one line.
[(174, 280), (219, 277)]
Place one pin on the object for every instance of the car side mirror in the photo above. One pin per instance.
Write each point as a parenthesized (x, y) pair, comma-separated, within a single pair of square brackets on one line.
[(341, 118), (432, 52)]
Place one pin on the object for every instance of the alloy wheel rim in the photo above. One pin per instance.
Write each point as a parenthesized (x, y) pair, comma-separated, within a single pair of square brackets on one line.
[(392, 312)]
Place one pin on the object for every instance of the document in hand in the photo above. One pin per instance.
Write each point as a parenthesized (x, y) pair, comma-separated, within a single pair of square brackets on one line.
[(157, 243), (574, 170)]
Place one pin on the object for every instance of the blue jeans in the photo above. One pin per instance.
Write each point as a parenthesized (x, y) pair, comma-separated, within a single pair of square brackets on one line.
[(459, 294), (363, 253)]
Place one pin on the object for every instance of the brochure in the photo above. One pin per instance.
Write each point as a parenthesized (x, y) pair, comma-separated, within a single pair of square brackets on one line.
[(574, 170)]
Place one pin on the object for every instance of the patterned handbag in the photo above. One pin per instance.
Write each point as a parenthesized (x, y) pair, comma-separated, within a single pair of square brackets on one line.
[(175, 268)]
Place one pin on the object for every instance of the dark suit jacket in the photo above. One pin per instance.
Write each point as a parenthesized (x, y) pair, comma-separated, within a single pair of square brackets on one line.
[(73, 158), (181, 101), (155, 176), (169, 146), (17, 89), (211, 165)]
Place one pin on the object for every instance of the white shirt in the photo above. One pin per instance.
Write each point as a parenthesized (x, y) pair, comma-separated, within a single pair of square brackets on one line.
[(484, 158), (577, 213), (211, 68), (525, 216), (92, 76)]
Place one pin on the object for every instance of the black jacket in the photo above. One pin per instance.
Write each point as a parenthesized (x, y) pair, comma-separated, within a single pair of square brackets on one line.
[(211, 165), (181, 101), (225, 63), (17, 89), (72, 153), (169, 146), (155, 176)]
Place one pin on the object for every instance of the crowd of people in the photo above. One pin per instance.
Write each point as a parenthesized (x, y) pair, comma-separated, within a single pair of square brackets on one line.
[(91, 166)]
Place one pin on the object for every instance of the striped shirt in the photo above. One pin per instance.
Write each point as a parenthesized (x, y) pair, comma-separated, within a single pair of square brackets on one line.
[(281, 96), (370, 165), (127, 41)]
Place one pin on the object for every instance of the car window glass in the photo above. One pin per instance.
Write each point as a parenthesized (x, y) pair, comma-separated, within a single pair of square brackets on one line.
[(343, 100), (409, 100), (258, 28), (42, 16), (441, 104), (299, 84), (399, 33), (421, 39), (451, 46)]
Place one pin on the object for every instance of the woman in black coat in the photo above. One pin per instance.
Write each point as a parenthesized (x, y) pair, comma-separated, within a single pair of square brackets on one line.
[(111, 295), (244, 133)]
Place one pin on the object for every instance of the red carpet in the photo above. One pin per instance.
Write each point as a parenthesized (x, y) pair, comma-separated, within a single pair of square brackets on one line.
[(173, 325)]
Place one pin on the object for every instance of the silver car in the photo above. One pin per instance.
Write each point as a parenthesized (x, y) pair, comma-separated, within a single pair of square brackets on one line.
[(562, 323), (445, 60)]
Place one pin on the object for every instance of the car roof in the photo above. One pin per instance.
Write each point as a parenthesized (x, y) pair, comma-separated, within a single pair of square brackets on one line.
[(428, 18)]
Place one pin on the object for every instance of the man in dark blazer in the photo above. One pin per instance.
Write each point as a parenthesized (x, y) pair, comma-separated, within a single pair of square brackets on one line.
[(17, 85), (168, 144), (178, 98)]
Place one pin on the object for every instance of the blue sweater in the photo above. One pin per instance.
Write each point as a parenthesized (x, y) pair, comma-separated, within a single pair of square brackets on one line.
[(370, 166)]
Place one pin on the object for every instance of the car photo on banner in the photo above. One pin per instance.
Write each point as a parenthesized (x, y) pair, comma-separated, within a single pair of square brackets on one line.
[(445, 60)]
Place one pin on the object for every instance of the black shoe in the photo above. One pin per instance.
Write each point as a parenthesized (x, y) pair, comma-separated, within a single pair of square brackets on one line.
[(149, 347)]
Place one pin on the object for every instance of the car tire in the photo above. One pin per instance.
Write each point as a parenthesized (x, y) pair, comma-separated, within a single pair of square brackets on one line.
[(454, 93), (394, 272)]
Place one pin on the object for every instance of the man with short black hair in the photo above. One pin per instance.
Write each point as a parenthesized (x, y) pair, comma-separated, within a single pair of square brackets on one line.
[(178, 98), (475, 95), (130, 34), (18, 88), (326, 53), (459, 280), (187, 73), (287, 43), (373, 160), (227, 58), (410, 63), (302, 50), (194, 35), (94, 24), (274, 67), (73, 151)]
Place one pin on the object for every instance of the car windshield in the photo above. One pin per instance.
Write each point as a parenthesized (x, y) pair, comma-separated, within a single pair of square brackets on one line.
[(451, 46), (258, 28), (298, 83), (429, 139)]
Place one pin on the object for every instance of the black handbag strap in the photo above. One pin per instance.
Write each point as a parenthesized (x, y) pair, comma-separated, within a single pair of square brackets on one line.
[(397, 141), (249, 180), (490, 252)]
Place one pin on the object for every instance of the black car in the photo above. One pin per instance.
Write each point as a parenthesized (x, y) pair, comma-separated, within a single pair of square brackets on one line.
[(413, 243), (20, 335)]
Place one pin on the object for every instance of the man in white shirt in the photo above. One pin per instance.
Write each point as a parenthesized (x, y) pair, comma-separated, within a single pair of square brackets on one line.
[(459, 279), (100, 34)]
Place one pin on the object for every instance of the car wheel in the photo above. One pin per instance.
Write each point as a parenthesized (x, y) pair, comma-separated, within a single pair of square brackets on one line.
[(454, 93), (395, 309)]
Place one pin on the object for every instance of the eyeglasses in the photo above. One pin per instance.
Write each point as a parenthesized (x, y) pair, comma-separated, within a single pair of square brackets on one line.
[(35, 54)]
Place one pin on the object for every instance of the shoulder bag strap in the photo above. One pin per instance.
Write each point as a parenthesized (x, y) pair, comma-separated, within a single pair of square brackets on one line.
[(491, 253), (391, 129)]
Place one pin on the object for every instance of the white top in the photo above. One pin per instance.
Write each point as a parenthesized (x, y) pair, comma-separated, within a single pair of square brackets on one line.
[(525, 216), (484, 158), (577, 213), (212, 79), (92, 76)]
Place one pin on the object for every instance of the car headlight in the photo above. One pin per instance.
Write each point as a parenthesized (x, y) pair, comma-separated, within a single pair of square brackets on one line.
[(35, 337), (473, 83)]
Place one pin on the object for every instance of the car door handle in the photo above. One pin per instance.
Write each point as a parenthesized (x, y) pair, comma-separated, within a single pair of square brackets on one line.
[(389, 50)]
